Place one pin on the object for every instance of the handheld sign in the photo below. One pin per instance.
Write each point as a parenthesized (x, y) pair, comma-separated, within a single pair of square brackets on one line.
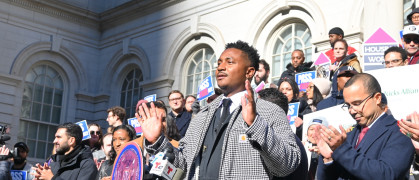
[(205, 89), (136, 125), (19, 175), (84, 129), (151, 98), (374, 49), (322, 66), (129, 163), (260, 87), (304, 79), (292, 114)]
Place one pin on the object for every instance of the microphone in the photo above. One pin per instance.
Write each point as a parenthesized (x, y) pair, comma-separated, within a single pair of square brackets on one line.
[(162, 165)]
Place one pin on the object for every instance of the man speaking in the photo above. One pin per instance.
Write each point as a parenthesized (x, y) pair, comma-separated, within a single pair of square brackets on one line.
[(237, 135)]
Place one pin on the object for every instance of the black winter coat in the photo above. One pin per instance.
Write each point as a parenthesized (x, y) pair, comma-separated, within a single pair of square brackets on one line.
[(291, 71), (77, 165)]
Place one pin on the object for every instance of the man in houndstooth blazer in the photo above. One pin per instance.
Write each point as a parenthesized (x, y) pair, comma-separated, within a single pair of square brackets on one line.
[(258, 141)]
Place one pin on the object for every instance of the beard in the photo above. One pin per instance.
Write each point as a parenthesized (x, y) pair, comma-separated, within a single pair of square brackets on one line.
[(261, 79), (19, 160), (62, 149)]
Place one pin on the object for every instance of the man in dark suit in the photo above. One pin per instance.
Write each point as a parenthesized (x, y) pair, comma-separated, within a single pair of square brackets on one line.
[(237, 135), (375, 148)]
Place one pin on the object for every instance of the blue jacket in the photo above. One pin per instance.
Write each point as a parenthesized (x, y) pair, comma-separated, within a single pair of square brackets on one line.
[(384, 153)]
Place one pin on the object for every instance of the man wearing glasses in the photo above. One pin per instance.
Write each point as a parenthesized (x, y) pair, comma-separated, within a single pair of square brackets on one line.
[(395, 56), (375, 149), (179, 113), (411, 43)]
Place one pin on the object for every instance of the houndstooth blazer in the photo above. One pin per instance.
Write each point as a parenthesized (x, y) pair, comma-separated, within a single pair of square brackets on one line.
[(269, 148)]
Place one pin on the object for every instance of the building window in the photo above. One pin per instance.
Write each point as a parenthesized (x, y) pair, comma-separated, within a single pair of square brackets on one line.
[(202, 63), (407, 9), (131, 91), (287, 39), (41, 110)]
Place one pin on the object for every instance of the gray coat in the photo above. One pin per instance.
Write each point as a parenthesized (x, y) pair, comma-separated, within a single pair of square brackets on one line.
[(269, 149)]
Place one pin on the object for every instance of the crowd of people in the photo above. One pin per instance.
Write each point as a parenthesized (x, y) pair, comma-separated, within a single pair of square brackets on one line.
[(243, 134)]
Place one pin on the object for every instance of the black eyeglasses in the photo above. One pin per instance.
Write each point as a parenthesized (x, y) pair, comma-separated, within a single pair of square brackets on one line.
[(95, 132), (347, 106), (394, 61), (408, 40)]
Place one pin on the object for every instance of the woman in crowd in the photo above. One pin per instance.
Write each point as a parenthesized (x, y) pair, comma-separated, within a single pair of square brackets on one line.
[(290, 89), (120, 135), (317, 90), (340, 49), (95, 137)]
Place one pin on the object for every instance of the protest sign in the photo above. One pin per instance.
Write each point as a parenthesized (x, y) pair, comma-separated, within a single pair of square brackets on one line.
[(304, 79), (150, 98), (19, 175), (136, 125), (260, 87), (334, 116), (129, 163), (322, 65), (292, 114), (374, 48), (205, 89), (84, 129), (400, 86)]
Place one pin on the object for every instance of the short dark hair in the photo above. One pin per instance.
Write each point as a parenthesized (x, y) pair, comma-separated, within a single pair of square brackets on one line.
[(118, 111), (176, 91), (299, 50), (368, 81), (190, 96), (265, 65), (157, 105), (344, 43), (252, 53), (317, 96), (73, 130), (274, 96), (400, 50), (294, 86)]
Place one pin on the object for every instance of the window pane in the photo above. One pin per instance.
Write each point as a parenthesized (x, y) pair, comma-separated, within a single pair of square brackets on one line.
[(123, 99), (51, 133), (129, 98), (42, 133), (58, 97), (27, 92), (48, 82), (189, 86), (40, 150), (58, 83), (36, 111), (49, 149), (51, 73), (30, 77), (287, 60), (25, 111), (23, 129), (48, 95), (131, 91), (46, 113), (192, 67), (32, 130), (56, 114), (38, 93), (207, 66), (278, 46), (31, 144), (199, 67), (287, 33)]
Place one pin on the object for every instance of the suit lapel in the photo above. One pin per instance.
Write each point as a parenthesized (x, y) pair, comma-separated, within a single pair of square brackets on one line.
[(375, 132)]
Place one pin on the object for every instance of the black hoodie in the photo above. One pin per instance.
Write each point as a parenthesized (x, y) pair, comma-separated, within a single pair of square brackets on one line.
[(77, 165)]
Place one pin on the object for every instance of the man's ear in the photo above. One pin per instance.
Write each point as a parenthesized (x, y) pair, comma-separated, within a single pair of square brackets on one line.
[(72, 141), (250, 72), (378, 98)]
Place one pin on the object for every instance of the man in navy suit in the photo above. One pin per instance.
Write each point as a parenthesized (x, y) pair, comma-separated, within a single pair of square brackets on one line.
[(375, 148)]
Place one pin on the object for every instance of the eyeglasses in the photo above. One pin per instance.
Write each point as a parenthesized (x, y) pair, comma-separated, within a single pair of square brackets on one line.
[(394, 61), (95, 132), (347, 106), (408, 40), (175, 99), (415, 17)]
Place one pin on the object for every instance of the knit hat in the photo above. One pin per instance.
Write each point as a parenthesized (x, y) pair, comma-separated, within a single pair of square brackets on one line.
[(323, 85), (336, 30), (347, 70), (318, 120), (409, 17)]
